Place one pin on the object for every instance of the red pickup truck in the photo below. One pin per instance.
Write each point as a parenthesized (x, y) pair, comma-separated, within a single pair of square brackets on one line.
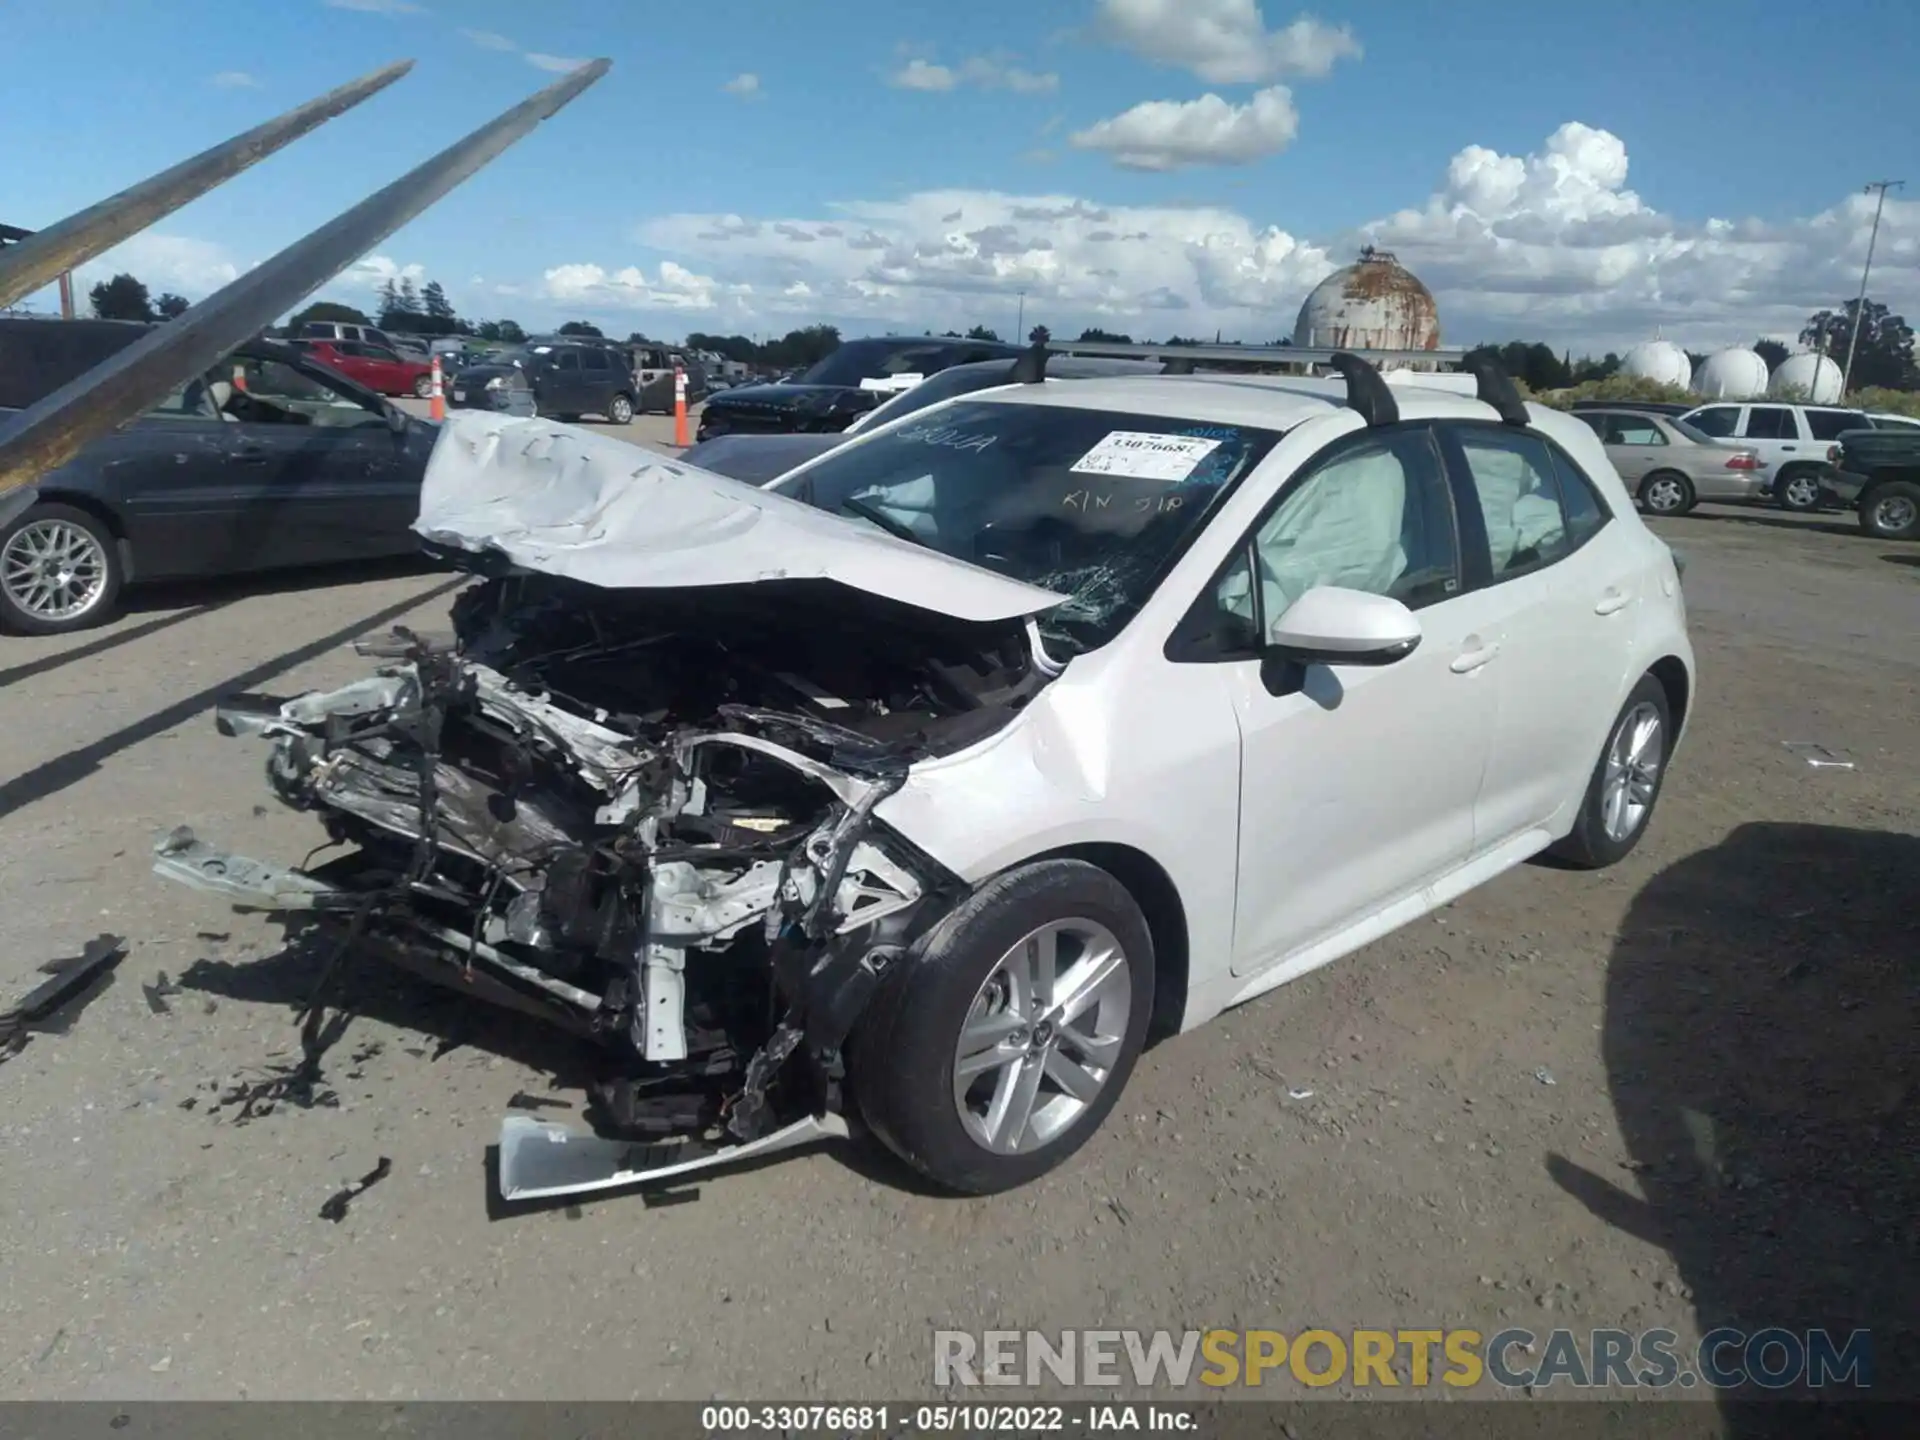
[(374, 366)]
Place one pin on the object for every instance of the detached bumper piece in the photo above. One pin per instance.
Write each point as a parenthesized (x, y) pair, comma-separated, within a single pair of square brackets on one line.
[(542, 1161), (184, 858)]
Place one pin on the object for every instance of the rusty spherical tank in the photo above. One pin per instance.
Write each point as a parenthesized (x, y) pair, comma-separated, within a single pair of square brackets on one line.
[(1373, 304)]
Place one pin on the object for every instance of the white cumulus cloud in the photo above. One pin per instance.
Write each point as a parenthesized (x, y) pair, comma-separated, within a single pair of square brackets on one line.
[(1224, 42), (490, 40), (997, 71), (234, 80), (1551, 245), (673, 288), (746, 83), (1176, 134)]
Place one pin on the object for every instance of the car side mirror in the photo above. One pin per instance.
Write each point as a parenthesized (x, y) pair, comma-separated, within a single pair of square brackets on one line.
[(1330, 625)]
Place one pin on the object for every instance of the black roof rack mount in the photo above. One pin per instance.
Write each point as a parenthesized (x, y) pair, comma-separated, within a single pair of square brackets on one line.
[(1030, 368), (1366, 391), (1493, 385), (53, 431)]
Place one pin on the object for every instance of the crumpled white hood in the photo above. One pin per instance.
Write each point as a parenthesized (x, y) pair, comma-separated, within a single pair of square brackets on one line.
[(564, 501)]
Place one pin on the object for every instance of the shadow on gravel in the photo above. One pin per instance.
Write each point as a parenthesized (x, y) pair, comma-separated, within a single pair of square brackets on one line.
[(1763, 1051), (1909, 558)]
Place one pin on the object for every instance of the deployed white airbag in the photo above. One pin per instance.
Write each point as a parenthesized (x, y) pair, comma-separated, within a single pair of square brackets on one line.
[(564, 501)]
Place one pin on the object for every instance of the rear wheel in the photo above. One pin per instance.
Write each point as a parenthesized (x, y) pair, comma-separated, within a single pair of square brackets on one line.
[(1625, 784), (1891, 510), (620, 410), (59, 571), (423, 388), (1799, 490), (999, 1046), (1667, 492)]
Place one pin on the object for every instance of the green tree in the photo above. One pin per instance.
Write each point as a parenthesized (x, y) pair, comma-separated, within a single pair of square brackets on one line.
[(798, 349), (738, 348), (121, 298), (437, 310), (581, 327), (981, 332), (327, 310), (1039, 335), (1771, 351), (1883, 356), (170, 306), (1104, 337)]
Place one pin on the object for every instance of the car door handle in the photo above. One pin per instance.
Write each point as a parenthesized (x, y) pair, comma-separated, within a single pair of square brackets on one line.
[(1469, 660), (1611, 601), (1789, 447)]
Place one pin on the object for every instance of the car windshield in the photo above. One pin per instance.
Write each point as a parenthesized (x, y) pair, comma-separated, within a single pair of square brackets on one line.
[(859, 360), (1092, 504)]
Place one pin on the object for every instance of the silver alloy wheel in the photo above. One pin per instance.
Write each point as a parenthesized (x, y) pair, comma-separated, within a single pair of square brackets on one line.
[(1634, 757), (1665, 495), (53, 570), (621, 410), (1042, 1036), (1802, 492), (1892, 514)]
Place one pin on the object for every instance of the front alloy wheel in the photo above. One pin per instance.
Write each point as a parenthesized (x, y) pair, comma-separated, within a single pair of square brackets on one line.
[(620, 410), (1666, 492), (998, 1045), (1041, 1037), (59, 571)]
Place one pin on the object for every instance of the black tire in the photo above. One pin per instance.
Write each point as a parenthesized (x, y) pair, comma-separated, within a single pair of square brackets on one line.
[(1798, 488), (1590, 845), (620, 410), (21, 621), (1885, 517), (901, 1057), (1672, 490), (423, 388)]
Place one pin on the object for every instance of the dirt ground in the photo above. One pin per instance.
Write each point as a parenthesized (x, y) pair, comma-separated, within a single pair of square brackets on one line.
[(1680, 1092)]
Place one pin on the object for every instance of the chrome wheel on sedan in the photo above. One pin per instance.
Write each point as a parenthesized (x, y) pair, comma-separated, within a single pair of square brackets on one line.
[(54, 572), (1666, 493), (1041, 1037), (1633, 766)]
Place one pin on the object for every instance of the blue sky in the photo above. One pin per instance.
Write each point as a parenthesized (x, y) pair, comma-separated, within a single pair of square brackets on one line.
[(1428, 126)]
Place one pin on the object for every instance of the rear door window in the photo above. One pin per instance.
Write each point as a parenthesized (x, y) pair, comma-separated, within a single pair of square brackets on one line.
[(1519, 490), (1771, 422), (1830, 424), (1719, 421), (595, 360)]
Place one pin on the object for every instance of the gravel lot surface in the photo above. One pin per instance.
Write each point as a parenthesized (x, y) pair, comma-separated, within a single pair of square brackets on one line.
[(1680, 1092)]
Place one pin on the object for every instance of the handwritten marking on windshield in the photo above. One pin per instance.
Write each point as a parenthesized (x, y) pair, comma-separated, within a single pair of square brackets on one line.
[(1085, 500), (947, 437)]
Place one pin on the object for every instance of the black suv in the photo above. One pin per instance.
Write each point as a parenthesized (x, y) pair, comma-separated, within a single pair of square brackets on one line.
[(827, 396), (569, 378)]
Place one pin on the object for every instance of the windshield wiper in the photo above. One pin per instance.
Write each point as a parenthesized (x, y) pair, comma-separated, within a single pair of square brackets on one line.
[(885, 521)]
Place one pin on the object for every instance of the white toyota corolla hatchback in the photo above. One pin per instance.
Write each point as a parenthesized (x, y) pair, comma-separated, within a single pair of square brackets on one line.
[(920, 788)]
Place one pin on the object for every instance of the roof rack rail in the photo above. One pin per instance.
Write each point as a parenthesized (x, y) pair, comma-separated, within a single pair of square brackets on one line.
[(1495, 387), (58, 427), (1290, 355), (1367, 393)]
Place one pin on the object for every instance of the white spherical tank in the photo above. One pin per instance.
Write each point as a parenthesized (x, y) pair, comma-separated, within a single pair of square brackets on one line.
[(1735, 374), (1806, 376), (1660, 361), (1373, 304)]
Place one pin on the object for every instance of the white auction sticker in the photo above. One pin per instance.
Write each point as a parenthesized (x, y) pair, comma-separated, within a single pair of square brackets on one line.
[(1141, 455)]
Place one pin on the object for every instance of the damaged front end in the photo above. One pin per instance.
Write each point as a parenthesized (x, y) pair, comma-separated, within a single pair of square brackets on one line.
[(647, 817)]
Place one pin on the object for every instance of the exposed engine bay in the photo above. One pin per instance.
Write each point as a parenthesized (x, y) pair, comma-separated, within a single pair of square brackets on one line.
[(646, 816)]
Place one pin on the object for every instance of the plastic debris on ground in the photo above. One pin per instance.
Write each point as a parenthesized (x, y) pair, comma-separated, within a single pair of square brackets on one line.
[(72, 981), (1818, 755), (336, 1207)]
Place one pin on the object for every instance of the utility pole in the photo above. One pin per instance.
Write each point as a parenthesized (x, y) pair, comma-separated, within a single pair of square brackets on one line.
[(1860, 305), (1020, 319)]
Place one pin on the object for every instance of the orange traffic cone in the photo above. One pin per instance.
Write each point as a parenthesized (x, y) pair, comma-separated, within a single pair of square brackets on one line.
[(240, 377), (438, 410), (680, 436)]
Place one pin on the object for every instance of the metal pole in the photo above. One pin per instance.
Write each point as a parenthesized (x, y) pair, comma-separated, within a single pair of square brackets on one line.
[(1020, 318), (1860, 305)]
